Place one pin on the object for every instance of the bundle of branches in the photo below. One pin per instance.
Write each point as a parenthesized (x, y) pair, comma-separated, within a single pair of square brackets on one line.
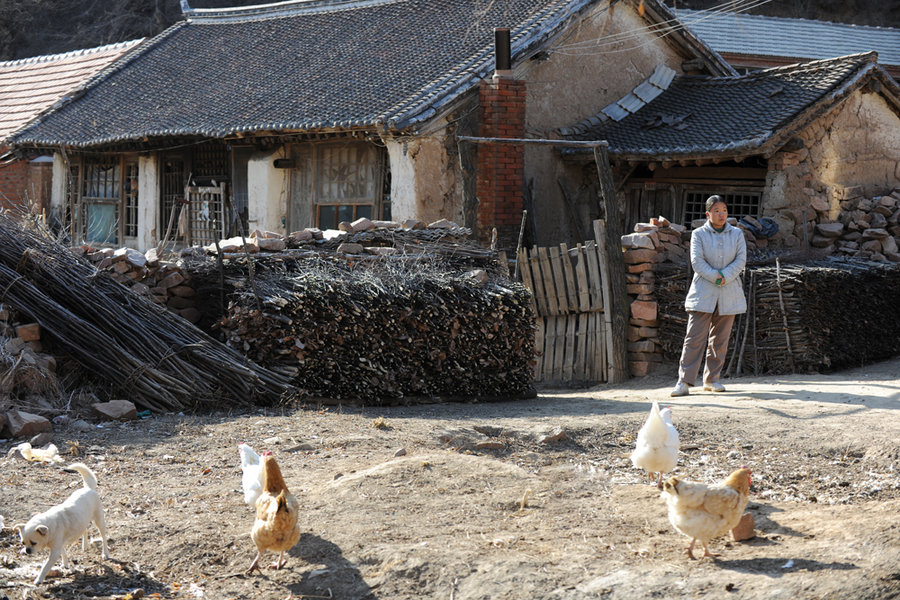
[(826, 314), (388, 328), (159, 360), (672, 282)]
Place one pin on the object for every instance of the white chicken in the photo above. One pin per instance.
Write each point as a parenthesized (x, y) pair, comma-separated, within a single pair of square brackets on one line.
[(656, 449), (252, 477)]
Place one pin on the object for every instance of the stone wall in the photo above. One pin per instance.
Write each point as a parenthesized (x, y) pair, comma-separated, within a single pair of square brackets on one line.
[(850, 153)]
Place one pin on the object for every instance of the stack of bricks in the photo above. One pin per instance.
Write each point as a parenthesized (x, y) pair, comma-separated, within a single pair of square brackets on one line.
[(650, 244), (163, 282), (23, 343)]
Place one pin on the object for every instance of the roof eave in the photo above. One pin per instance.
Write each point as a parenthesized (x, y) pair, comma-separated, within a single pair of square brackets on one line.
[(659, 14)]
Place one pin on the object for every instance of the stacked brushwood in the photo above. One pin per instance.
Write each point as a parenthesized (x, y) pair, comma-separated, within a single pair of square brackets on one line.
[(159, 360), (438, 319), (826, 314)]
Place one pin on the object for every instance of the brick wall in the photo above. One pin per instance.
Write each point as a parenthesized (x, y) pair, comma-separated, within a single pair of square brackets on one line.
[(500, 181), (13, 181)]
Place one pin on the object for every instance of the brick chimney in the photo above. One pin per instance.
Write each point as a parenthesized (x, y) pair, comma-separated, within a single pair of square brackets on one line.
[(500, 172)]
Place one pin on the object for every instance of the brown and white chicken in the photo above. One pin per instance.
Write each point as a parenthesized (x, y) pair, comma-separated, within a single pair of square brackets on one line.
[(703, 512), (276, 527)]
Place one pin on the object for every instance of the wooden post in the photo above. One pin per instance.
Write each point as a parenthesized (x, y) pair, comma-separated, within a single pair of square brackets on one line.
[(608, 233)]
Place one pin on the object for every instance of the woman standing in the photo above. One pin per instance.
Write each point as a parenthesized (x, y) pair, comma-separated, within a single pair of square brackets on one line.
[(718, 256)]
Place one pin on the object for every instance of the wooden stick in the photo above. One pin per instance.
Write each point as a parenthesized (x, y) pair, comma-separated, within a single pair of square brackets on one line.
[(787, 333), (747, 325)]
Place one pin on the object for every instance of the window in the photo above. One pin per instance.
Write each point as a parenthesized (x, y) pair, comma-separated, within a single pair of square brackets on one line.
[(740, 203), (107, 203), (130, 192), (333, 182)]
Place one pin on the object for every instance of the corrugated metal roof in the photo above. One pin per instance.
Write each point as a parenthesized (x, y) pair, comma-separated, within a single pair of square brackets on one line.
[(31, 85), (707, 116), (729, 32)]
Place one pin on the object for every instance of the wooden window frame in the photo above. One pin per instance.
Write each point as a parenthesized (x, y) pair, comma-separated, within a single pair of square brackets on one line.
[(314, 163), (676, 205), (122, 195)]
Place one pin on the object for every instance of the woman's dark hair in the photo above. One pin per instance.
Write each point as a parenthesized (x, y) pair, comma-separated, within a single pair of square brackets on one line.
[(713, 200)]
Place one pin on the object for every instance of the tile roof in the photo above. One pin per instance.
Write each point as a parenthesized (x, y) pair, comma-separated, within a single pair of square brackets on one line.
[(301, 65), (31, 85), (734, 116), (730, 32), (312, 65)]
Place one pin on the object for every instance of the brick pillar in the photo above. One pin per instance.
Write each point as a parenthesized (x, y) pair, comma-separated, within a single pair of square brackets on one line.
[(500, 181)]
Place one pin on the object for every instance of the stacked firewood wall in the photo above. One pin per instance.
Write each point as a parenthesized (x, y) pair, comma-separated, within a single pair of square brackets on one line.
[(797, 319), (382, 314)]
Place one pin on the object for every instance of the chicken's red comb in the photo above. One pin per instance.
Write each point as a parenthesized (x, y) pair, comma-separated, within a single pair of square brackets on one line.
[(267, 453)]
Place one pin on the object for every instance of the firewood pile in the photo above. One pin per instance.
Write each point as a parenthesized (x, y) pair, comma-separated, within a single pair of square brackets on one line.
[(436, 319), (799, 316), (162, 362)]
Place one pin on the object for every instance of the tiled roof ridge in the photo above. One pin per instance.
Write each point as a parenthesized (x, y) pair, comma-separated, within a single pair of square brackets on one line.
[(687, 12), (478, 66), (279, 9), (856, 60), (813, 65), (70, 54)]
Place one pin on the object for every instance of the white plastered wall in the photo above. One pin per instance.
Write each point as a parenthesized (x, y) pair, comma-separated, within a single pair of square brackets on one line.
[(425, 181), (148, 203), (58, 186), (268, 191)]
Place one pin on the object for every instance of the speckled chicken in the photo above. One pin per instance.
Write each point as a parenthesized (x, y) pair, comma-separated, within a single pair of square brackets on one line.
[(276, 527), (703, 512)]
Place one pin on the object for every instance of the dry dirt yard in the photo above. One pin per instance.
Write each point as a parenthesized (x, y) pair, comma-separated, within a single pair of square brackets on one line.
[(427, 501)]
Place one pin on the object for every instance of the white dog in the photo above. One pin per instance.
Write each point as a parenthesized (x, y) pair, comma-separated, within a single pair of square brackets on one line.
[(64, 523)]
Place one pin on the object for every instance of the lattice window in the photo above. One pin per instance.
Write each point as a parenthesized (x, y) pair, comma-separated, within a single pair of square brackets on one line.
[(174, 179), (130, 192), (740, 203), (206, 219), (101, 185), (210, 161)]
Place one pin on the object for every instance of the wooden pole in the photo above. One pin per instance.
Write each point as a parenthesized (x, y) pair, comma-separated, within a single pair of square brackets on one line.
[(787, 332), (609, 238), (537, 141), (519, 243)]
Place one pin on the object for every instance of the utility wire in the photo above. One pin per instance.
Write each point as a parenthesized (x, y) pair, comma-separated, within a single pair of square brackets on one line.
[(730, 7), (605, 45)]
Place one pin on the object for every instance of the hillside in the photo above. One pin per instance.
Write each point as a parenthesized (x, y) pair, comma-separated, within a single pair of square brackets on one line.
[(36, 27)]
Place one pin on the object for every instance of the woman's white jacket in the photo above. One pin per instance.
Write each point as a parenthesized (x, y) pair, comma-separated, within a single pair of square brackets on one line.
[(712, 252)]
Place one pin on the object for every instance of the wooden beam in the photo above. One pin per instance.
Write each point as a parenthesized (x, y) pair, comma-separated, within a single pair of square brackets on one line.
[(562, 143), (608, 233)]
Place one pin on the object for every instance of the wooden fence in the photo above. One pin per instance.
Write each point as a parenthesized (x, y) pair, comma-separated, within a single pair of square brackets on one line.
[(572, 335)]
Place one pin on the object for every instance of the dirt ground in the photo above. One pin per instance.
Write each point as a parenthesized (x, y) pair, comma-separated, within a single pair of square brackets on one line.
[(528, 499)]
